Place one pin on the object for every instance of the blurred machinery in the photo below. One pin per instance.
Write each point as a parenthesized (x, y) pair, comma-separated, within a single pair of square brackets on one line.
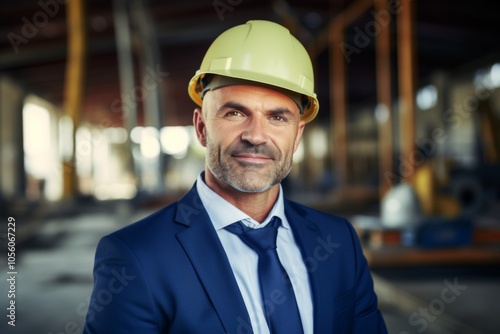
[(476, 185), (429, 220)]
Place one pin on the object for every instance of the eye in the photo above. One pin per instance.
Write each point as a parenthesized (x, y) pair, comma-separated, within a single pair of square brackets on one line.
[(234, 113), (278, 118)]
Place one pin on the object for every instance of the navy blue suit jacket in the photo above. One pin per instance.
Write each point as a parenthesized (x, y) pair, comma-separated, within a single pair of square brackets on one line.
[(168, 273)]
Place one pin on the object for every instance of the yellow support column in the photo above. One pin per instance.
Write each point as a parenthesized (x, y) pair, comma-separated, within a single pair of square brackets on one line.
[(74, 85), (407, 64)]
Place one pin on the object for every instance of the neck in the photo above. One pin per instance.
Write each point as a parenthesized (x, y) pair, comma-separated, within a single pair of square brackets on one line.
[(256, 205)]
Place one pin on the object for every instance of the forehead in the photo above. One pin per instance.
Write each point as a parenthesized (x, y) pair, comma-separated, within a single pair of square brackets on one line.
[(252, 97)]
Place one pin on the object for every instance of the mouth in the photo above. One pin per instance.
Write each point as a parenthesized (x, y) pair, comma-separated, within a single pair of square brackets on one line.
[(255, 159)]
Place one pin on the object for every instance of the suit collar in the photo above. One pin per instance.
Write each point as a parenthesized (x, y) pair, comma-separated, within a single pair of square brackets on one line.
[(202, 246), (222, 213)]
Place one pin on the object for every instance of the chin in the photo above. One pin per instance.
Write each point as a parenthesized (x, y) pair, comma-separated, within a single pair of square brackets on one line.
[(251, 187), (253, 190)]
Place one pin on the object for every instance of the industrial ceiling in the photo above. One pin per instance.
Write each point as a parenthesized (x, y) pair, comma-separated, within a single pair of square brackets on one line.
[(451, 36)]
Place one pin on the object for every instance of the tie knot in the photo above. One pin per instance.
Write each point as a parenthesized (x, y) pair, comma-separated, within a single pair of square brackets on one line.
[(259, 239)]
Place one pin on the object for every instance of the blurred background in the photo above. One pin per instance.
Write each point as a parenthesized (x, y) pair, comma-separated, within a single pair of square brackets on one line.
[(96, 132)]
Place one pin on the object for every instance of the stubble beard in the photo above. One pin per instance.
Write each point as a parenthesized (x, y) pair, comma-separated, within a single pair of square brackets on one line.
[(249, 178)]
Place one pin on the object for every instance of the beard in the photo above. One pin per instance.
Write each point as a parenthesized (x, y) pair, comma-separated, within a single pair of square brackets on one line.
[(243, 176)]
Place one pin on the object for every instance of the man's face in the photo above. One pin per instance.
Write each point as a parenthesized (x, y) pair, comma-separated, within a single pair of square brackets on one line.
[(250, 134)]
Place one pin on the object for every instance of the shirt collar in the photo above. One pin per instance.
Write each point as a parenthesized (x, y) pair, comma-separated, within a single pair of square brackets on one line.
[(222, 213)]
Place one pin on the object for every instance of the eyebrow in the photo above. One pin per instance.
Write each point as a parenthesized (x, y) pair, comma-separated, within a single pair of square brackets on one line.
[(239, 106), (233, 105)]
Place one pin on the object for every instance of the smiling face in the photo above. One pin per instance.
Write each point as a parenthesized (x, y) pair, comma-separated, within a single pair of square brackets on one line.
[(250, 134)]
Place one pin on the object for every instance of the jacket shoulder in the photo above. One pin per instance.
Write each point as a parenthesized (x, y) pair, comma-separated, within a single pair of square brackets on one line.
[(316, 215)]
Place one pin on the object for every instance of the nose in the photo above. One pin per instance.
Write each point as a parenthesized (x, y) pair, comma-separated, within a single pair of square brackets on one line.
[(256, 131)]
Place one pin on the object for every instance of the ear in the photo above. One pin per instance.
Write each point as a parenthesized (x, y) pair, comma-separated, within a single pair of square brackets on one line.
[(300, 130), (200, 127)]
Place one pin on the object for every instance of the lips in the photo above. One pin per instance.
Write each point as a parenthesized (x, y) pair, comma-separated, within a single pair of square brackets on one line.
[(252, 158), (247, 154)]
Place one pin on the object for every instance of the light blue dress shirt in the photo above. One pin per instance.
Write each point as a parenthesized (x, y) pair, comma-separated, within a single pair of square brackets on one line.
[(243, 259)]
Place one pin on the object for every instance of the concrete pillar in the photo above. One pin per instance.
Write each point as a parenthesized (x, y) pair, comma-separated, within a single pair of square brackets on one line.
[(12, 178)]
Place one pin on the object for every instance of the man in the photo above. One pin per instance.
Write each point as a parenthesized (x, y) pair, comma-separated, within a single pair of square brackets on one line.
[(232, 255)]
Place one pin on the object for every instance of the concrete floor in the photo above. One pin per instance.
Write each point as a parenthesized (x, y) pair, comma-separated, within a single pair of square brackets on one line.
[(442, 301), (54, 282)]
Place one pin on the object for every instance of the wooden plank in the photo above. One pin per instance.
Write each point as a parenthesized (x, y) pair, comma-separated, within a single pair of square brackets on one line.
[(384, 96), (353, 12), (406, 257), (338, 105), (407, 70), (486, 235), (342, 20)]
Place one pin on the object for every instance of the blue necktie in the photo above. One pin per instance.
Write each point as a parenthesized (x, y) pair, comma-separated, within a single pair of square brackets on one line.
[(280, 306)]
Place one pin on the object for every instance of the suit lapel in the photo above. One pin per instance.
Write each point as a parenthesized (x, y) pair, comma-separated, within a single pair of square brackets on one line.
[(311, 243), (203, 247)]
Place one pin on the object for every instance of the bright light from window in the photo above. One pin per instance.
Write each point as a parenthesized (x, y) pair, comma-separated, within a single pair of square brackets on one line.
[(37, 140), (135, 134), (427, 97), (150, 145), (318, 143), (41, 154), (175, 140), (196, 146), (116, 135)]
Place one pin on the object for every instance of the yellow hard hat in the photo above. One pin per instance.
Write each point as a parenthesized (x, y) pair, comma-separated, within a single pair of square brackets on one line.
[(260, 52)]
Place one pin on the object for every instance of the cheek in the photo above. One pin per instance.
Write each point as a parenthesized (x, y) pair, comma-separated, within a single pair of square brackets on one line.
[(288, 142), (215, 137), (222, 133)]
